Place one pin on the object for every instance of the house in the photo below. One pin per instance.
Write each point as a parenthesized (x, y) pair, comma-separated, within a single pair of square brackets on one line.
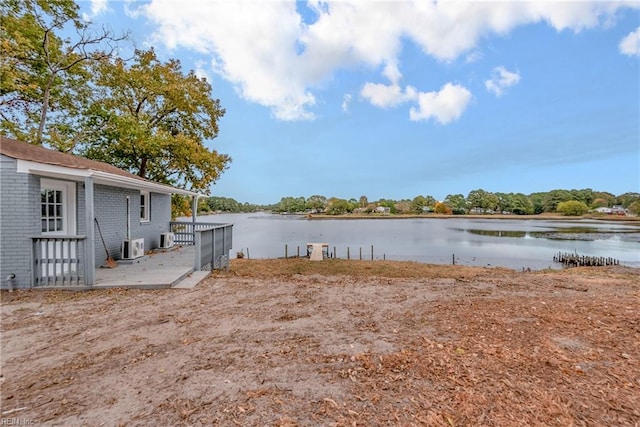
[(57, 209)]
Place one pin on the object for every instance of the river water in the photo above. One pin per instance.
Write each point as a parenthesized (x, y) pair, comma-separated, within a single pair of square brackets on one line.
[(511, 243)]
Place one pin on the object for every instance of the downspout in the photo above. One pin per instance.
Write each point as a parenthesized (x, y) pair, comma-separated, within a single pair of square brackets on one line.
[(128, 218)]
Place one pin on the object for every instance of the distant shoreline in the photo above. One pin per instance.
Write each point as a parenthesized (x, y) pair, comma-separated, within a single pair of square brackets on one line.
[(540, 217)]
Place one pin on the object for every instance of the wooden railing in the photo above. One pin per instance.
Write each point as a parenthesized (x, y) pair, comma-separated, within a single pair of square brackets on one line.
[(57, 261), (184, 232)]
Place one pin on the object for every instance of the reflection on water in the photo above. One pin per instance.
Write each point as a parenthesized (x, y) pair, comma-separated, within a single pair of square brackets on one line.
[(571, 233), (499, 233), (511, 243)]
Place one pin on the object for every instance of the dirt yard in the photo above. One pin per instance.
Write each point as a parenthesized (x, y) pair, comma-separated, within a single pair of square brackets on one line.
[(285, 343)]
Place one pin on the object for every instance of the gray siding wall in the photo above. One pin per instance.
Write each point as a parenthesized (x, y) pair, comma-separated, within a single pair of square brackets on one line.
[(19, 220), (111, 213)]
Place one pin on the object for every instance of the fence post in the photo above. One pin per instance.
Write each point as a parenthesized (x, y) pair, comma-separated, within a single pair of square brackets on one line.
[(286, 251), (371, 252), (197, 243)]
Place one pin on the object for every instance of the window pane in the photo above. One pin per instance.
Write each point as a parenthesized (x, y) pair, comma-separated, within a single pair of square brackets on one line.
[(43, 210), (59, 211), (58, 224), (44, 226), (50, 211), (43, 196), (52, 225)]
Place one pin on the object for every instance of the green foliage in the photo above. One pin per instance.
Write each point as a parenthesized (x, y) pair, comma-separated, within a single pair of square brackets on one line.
[(421, 204), (46, 78), (483, 201), (291, 205), (457, 203), (572, 208), (226, 204), (627, 199), (180, 206), (634, 208), (152, 120), (336, 206), (316, 203)]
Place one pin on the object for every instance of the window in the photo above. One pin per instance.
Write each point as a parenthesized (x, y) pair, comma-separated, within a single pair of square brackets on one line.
[(51, 207), (57, 207), (144, 206)]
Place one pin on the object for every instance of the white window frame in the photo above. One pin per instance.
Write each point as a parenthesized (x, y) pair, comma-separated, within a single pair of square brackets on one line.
[(145, 208), (68, 190)]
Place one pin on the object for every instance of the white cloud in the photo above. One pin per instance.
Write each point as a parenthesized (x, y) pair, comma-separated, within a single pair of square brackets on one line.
[(201, 72), (501, 78), (444, 106), (346, 102), (474, 56), (276, 59), (630, 45), (385, 96), (97, 7)]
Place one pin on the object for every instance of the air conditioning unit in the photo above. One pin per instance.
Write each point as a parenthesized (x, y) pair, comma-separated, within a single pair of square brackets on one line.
[(166, 240), (132, 249)]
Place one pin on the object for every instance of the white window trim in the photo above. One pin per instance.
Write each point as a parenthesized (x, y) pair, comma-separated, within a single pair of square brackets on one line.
[(147, 199), (68, 189)]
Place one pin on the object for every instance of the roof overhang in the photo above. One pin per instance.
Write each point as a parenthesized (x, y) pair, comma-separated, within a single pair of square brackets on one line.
[(99, 177)]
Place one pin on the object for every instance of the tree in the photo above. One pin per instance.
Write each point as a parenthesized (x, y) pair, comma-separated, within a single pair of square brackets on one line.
[(403, 207), (418, 204), (388, 203), (634, 208), (521, 204), (336, 206), (316, 203), (457, 203), (572, 208), (45, 78), (443, 208), (482, 200), (553, 197), (363, 201), (627, 199), (152, 120)]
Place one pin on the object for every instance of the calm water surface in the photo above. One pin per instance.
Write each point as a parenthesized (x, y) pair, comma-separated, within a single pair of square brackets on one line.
[(517, 243)]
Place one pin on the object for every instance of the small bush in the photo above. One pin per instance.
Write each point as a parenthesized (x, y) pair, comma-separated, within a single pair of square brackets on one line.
[(572, 208)]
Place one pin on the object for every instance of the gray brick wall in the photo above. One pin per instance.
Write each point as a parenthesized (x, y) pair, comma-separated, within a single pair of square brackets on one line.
[(111, 212), (19, 219)]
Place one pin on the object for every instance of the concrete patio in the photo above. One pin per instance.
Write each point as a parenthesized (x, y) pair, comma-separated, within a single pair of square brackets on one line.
[(164, 268)]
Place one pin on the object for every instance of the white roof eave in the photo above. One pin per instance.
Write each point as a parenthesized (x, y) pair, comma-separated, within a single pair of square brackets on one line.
[(105, 178)]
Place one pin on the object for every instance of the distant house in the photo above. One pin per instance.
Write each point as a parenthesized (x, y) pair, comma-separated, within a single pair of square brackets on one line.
[(615, 210), (603, 210), (53, 205), (383, 210)]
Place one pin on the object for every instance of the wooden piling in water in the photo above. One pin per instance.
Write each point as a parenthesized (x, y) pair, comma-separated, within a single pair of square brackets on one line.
[(576, 260)]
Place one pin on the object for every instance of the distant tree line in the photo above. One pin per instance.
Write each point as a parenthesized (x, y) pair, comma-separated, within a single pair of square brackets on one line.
[(566, 202)]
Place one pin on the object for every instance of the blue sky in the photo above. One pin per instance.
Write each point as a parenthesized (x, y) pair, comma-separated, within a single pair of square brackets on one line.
[(398, 99)]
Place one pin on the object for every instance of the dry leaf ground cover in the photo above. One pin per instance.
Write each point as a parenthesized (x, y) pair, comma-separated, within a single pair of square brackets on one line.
[(292, 342)]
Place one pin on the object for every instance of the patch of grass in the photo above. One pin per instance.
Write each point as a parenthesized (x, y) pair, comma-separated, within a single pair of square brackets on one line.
[(263, 268)]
